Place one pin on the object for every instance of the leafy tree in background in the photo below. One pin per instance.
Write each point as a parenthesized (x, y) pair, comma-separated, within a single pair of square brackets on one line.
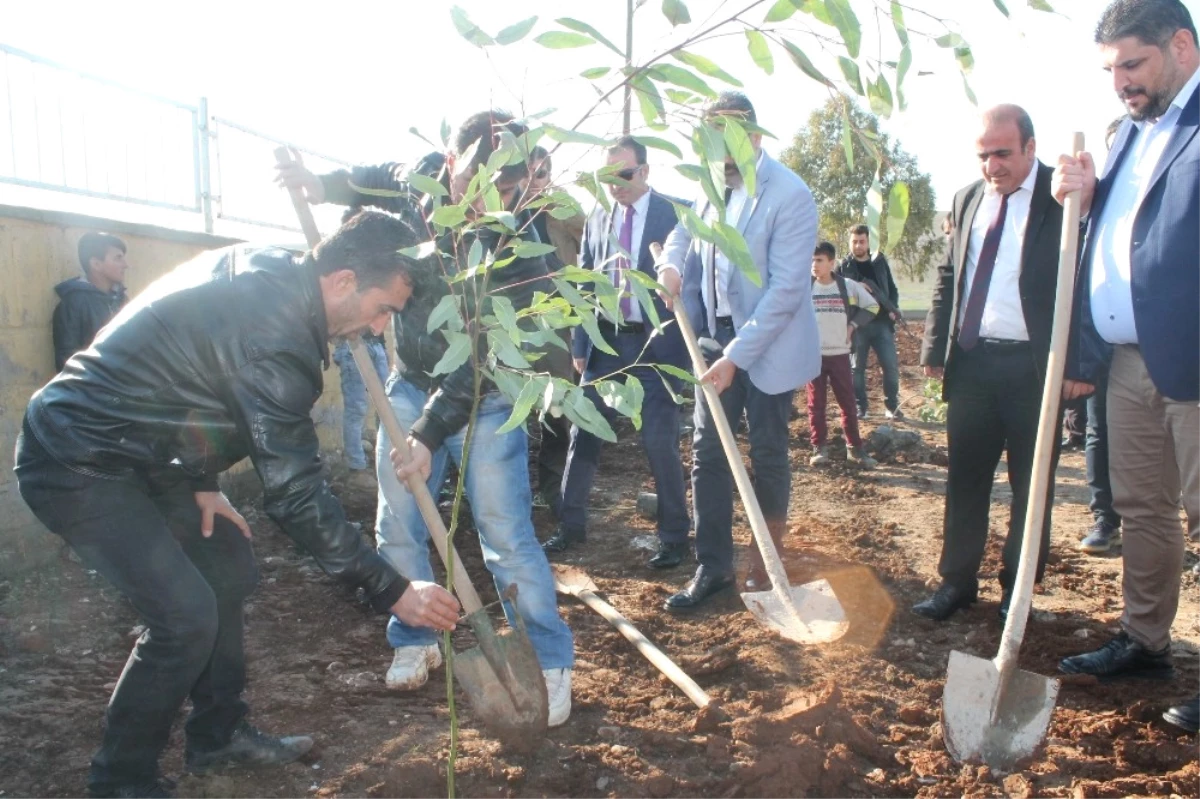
[(842, 187)]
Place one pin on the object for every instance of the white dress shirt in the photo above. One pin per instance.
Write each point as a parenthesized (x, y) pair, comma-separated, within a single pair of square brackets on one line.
[(725, 268), (1111, 295), (641, 207), (1003, 315)]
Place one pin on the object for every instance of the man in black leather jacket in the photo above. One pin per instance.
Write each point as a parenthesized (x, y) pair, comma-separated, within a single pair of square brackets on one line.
[(436, 407), (217, 361)]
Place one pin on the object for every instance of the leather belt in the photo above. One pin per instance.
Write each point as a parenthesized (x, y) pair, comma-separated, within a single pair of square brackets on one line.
[(627, 327), (725, 321), (1002, 345)]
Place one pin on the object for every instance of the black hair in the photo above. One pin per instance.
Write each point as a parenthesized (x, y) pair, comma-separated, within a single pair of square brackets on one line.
[(733, 104), (826, 248), (1151, 21), (860, 230), (369, 244), (485, 128), (96, 245), (633, 145)]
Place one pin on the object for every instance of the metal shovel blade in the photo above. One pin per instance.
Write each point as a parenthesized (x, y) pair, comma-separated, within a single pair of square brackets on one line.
[(986, 721), (821, 618), (504, 680)]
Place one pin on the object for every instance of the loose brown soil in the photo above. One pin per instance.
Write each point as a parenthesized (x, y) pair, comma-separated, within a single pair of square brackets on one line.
[(856, 718)]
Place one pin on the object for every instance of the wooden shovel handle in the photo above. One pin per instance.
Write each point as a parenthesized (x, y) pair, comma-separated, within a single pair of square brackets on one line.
[(651, 652), (387, 417), (1047, 435), (758, 524)]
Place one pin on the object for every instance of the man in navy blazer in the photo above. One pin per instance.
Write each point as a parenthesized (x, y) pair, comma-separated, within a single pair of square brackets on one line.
[(770, 347), (612, 243), (1138, 309)]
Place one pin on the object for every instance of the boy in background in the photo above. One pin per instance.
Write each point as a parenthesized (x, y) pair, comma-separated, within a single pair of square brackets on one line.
[(842, 305), (87, 303)]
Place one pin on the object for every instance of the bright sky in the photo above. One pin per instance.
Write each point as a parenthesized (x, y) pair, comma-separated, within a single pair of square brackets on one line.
[(351, 80)]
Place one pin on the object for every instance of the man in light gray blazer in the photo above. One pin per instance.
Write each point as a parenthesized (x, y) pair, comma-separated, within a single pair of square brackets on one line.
[(770, 347)]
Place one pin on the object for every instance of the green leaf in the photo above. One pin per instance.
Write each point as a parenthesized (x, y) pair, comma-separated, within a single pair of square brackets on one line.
[(690, 171), (850, 71), (904, 65), (505, 350), (505, 218), (1000, 5), (966, 61), (737, 143), (475, 254), (468, 29), (445, 313), (456, 354), (705, 67), (562, 40), (642, 284), (675, 371), (506, 315), (817, 9), (695, 225), (846, 21), (847, 141), (676, 12), (731, 243), (950, 40), (575, 136), (709, 144), (591, 183), (782, 10), (583, 27), (682, 96), (875, 211), (445, 132), (659, 144), (967, 89), (531, 392), (898, 23), (420, 251), (413, 130), (624, 397), (516, 32), (532, 249), (580, 409), (897, 214), (449, 215), (880, 95), (806, 65), (670, 73), (760, 51), (427, 185), (649, 100), (1041, 5), (588, 320), (595, 72), (375, 192)]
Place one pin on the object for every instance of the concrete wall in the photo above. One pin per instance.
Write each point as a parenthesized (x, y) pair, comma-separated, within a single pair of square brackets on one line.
[(37, 251)]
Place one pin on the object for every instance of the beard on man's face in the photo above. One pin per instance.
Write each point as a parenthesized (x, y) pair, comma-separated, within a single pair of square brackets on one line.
[(1156, 104)]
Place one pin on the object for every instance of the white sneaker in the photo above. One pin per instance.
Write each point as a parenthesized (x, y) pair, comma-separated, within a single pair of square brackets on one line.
[(411, 665), (558, 688)]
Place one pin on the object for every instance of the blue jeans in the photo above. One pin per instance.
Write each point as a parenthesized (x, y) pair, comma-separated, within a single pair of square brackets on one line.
[(1096, 453), (660, 440), (497, 486), (354, 398), (880, 336)]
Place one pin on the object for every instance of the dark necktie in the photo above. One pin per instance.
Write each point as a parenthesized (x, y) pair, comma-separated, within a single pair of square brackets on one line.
[(968, 334), (626, 241)]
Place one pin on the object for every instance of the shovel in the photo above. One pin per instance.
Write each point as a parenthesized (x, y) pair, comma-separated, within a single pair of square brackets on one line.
[(501, 676), (807, 614), (576, 583), (991, 710)]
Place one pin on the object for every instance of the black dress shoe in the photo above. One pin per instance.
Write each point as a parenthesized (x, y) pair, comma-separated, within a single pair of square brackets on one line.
[(669, 555), (1186, 716), (944, 602), (1120, 658), (561, 540), (1005, 603), (703, 584)]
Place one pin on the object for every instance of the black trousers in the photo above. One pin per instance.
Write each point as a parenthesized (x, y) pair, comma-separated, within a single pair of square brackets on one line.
[(143, 536), (994, 398)]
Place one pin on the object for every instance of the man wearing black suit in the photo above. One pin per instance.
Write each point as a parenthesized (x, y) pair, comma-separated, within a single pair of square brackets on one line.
[(639, 217), (988, 336)]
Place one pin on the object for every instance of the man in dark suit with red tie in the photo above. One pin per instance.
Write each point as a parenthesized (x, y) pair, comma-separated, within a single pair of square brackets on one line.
[(987, 336), (614, 243)]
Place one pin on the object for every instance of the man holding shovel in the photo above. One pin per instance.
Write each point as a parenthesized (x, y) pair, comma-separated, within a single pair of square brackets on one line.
[(988, 336), (219, 360), (1136, 311), (436, 409), (769, 341)]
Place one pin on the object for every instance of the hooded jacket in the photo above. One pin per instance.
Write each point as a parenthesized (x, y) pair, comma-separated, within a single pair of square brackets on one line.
[(82, 310), (219, 360)]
